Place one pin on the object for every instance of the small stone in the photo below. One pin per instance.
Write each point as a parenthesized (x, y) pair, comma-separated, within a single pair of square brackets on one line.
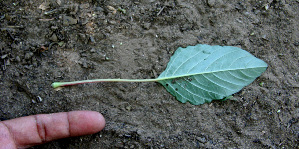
[(92, 39), (201, 139), (28, 55), (53, 38), (112, 22), (264, 37), (7, 63), (39, 99), (129, 108), (147, 25), (93, 50), (58, 2), (84, 6), (112, 9), (54, 27), (17, 74), (215, 3), (267, 7), (4, 56), (60, 43), (69, 21), (18, 59), (211, 3), (99, 9), (84, 65)]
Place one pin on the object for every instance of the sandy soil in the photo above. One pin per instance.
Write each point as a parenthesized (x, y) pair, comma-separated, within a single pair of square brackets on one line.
[(64, 40)]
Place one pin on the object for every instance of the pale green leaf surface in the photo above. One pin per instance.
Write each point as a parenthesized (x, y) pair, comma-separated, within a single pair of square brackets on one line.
[(202, 73)]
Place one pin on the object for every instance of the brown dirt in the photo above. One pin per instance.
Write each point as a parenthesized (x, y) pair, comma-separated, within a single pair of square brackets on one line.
[(63, 40)]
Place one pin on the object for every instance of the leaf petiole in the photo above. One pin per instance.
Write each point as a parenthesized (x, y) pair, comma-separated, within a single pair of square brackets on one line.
[(61, 84)]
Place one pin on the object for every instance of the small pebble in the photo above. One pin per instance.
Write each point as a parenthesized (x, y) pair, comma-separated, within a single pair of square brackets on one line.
[(211, 3), (39, 99), (99, 9), (53, 38), (84, 65), (112, 22), (7, 63), (4, 56), (93, 50), (17, 74), (69, 21), (28, 55), (129, 108), (147, 25), (92, 39), (18, 59), (201, 139)]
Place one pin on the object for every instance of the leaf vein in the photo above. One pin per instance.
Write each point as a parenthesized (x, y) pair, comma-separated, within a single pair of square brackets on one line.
[(185, 62), (236, 76), (219, 58), (190, 93), (225, 80), (216, 83), (209, 91), (238, 59)]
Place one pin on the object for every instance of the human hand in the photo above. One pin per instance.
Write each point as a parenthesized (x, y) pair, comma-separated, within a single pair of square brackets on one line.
[(33, 130)]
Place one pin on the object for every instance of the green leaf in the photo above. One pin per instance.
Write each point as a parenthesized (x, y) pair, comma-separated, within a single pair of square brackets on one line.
[(202, 73)]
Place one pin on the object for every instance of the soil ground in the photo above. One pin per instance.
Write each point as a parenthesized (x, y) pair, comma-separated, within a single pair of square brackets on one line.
[(43, 41)]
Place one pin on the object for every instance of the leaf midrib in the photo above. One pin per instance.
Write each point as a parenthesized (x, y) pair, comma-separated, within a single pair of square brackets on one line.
[(174, 77)]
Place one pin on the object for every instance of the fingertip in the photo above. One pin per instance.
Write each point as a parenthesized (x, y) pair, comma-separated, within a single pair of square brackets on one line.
[(102, 121), (85, 122), (99, 120)]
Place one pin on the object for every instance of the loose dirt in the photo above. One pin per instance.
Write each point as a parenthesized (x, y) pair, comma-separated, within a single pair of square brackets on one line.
[(66, 40)]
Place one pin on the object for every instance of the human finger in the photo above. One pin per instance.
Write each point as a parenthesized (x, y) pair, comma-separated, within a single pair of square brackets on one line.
[(37, 129)]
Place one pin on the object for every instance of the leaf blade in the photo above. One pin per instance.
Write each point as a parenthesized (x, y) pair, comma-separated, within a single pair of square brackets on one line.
[(202, 73)]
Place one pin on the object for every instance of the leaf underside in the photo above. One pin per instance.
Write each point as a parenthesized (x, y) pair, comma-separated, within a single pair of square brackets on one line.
[(202, 73)]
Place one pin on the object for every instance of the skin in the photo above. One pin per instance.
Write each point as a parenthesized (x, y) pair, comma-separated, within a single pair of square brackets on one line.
[(33, 130)]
